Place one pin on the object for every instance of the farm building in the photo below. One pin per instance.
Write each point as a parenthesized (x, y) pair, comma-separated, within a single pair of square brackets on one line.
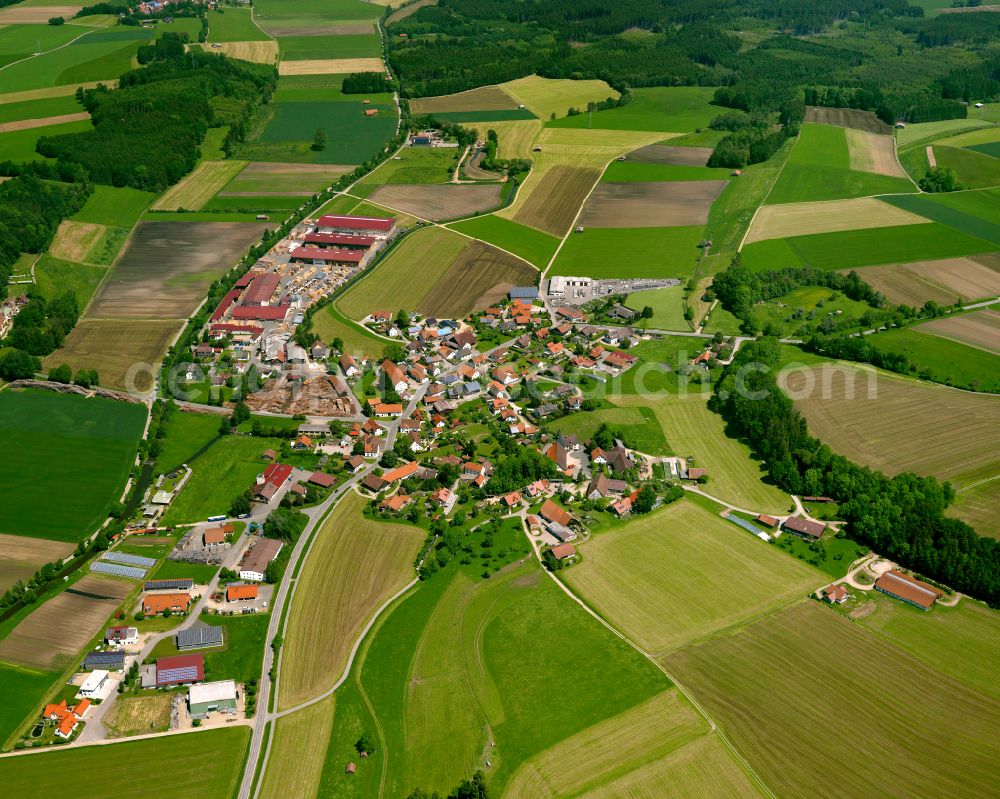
[(374, 483), (563, 551), (602, 486), (122, 636), (804, 528), (557, 520), (261, 289), (255, 562), (184, 584), (198, 636), (94, 684), (908, 589), (322, 479), (152, 604), (241, 592), (523, 293), (379, 227), (212, 536), (768, 521), (212, 697), (180, 670), (835, 593), (327, 255), (341, 241), (112, 661)]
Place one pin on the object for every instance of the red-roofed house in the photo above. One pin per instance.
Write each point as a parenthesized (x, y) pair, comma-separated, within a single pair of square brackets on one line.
[(401, 473)]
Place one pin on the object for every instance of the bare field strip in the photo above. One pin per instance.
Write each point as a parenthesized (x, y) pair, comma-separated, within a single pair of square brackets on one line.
[(44, 122), (407, 10), (117, 348), (667, 204), (168, 266), (612, 748), (52, 91), (921, 733), (662, 579), (480, 276), (439, 201), (36, 15), (331, 66), (848, 118), (557, 197), (677, 156), (827, 216), (873, 152), (515, 136), (295, 765), (73, 240), (909, 426), (335, 598), (941, 281), (980, 329), (53, 634), (485, 98), (261, 52), (21, 557), (199, 186)]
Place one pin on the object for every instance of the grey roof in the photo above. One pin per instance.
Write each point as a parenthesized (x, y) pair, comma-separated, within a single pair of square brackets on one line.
[(181, 584), (198, 636), (104, 660), (117, 569), (129, 560), (524, 293)]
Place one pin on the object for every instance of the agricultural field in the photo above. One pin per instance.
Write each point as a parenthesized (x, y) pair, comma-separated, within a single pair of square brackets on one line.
[(261, 52), (929, 131), (831, 216), (675, 109), (662, 579), (139, 715), (328, 323), (414, 165), (649, 252), (943, 281), (633, 171), (671, 155), (848, 118), (114, 207), (33, 124), (82, 448), (515, 137), (974, 169), (316, 47), (187, 435), (74, 240), (330, 66), (971, 212), (54, 277), (532, 245), (872, 152), (547, 96), (556, 199), (820, 168), (320, 634), (52, 635), (439, 202), (976, 503), (234, 25), (40, 109), (980, 329), (23, 689), (639, 427), (167, 267), (927, 732), (293, 180), (199, 186), (667, 305), (22, 556), (19, 145), (123, 351), (485, 98), (298, 749), (650, 205), (202, 766), (942, 360)]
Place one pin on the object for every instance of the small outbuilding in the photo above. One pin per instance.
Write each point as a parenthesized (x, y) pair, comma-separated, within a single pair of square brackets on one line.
[(212, 697)]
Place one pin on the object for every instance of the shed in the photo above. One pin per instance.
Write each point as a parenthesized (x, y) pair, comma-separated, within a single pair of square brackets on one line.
[(199, 636), (212, 697)]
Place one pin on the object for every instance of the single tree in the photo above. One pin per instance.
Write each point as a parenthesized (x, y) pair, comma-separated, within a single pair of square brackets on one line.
[(319, 139)]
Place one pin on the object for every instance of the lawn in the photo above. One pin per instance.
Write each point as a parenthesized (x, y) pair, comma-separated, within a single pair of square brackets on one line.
[(206, 765), (306, 48), (639, 427), (201, 573), (221, 473), (334, 599), (661, 579), (328, 323), (80, 448), (975, 170), (414, 165), (19, 145), (855, 248), (533, 245), (929, 734), (188, 434), (115, 207), (234, 25), (639, 172), (241, 655), (54, 277), (23, 691), (943, 360), (667, 305), (676, 109), (630, 252)]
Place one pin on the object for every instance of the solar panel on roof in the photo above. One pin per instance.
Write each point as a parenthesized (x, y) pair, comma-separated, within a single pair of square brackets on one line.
[(104, 660), (199, 635), (159, 585), (131, 560), (177, 674), (744, 524), (117, 569)]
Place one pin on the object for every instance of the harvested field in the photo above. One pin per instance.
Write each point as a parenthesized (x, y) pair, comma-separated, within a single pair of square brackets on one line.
[(980, 329), (928, 734), (21, 557), (331, 66), (909, 426), (481, 276), (26, 14), (848, 118), (485, 98), (123, 351), (28, 124), (547, 96), (298, 750), (556, 199), (828, 216), (263, 178), (168, 266), (976, 504), (73, 240), (335, 599), (516, 137), (53, 634), (199, 186), (661, 579), (139, 715), (259, 52), (873, 152), (441, 201), (669, 204), (665, 154), (407, 10)]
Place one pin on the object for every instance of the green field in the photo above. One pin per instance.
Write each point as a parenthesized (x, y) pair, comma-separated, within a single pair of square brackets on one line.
[(306, 48), (663, 579), (221, 473), (855, 248), (972, 212), (54, 277), (676, 109), (321, 89), (942, 360), (206, 765), (78, 449), (414, 165), (328, 323), (187, 435), (241, 655), (23, 41), (117, 207), (495, 115), (633, 252), (320, 9), (639, 172), (201, 573), (23, 690), (639, 427), (19, 145), (255, 203), (234, 25), (667, 305), (975, 169), (817, 301), (533, 245), (39, 109)]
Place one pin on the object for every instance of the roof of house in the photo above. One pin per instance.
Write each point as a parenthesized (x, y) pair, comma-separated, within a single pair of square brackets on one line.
[(401, 473), (909, 588), (241, 591), (157, 603), (835, 592), (397, 502), (563, 551), (261, 553), (770, 521), (216, 535), (805, 526), (550, 511), (180, 669), (322, 479), (373, 482), (277, 473)]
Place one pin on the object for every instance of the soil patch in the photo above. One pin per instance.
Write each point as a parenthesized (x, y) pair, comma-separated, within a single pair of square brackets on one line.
[(555, 201), (847, 118)]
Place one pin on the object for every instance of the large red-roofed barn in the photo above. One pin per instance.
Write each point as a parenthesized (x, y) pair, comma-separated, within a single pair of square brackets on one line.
[(342, 240), (261, 289), (353, 225), (326, 255)]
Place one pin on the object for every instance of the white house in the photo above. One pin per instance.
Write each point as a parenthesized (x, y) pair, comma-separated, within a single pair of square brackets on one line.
[(95, 681)]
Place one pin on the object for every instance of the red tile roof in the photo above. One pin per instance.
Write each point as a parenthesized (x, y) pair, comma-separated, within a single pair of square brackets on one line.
[(263, 313), (401, 473), (225, 305), (238, 592), (563, 551), (322, 479), (261, 288), (908, 588), (340, 239), (383, 224), (554, 513), (328, 254)]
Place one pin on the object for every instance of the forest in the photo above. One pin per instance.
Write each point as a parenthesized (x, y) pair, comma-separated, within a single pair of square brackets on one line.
[(901, 517)]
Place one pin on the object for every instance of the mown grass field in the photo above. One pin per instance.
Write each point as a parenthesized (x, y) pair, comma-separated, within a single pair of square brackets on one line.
[(927, 733), (809, 218), (980, 329), (640, 172), (414, 165), (54, 276), (115, 207), (532, 245), (298, 750), (335, 599), (515, 137), (548, 96), (23, 689), (662, 579), (233, 25), (39, 109), (971, 212), (202, 766), (639, 426), (922, 131), (19, 145), (975, 169), (675, 109), (649, 252), (81, 449), (139, 715), (304, 48), (667, 305), (199, 186), (943, 360), (484, 98), (187, 435), (328, 323)]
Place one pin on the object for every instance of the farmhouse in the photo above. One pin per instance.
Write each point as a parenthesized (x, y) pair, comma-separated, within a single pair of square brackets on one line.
[(804, 528), (255, 562), (394, 377), (401, 473), (324, 480), (68, 718), (396, 503), (908, 589), (211, 697), (374, 483), (835, 593), (557, 520), (563, 551), (213, 536), (272, 478), (602, 486), (180, 670), (153, 604), (121, 636)]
